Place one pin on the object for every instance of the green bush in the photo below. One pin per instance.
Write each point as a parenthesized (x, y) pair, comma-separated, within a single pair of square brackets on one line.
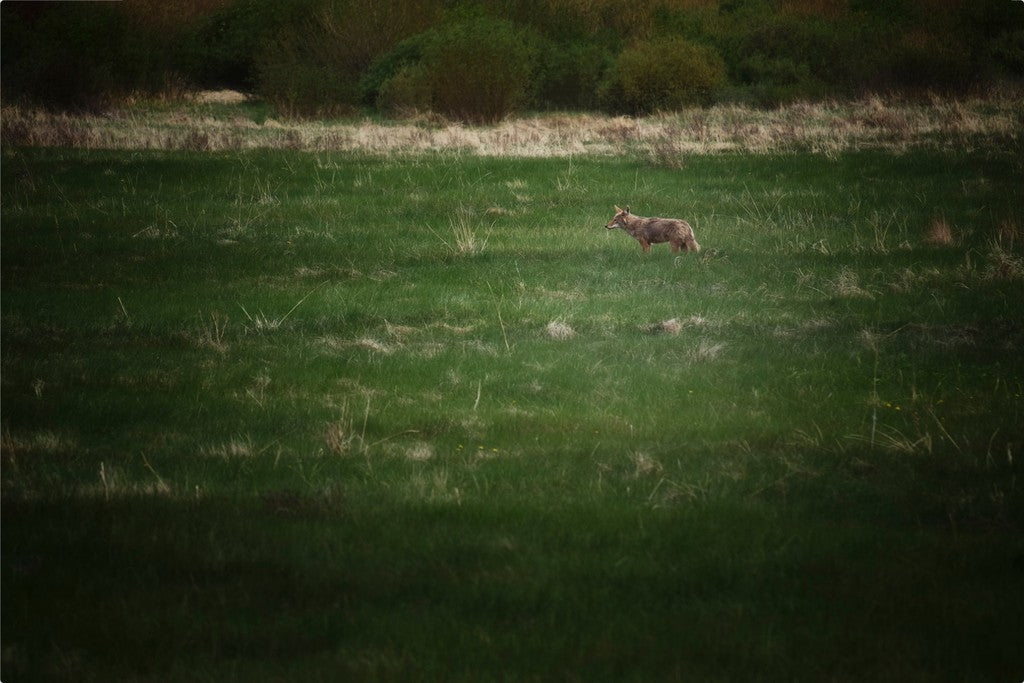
[(664, 75), (77, 55), (408, 91), (774, 81), (317, 64), (923, 61), (406, 54), (780, 57), (304, 72), (1008, 52), (221, 48), (476, 69), (570, 75), (480, 70)]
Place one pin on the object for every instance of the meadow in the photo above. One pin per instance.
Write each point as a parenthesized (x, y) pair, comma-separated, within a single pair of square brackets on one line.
[(301, 414)]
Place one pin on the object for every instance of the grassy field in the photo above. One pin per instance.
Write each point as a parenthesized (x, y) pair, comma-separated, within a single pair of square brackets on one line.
[(292, 415)]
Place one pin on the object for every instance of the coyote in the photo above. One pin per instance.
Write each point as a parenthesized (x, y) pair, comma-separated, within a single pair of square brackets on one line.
[(648, 231)]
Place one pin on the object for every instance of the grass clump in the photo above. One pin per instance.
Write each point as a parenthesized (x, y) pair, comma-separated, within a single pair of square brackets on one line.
[(465, 237), (939, 233), (559, 330)]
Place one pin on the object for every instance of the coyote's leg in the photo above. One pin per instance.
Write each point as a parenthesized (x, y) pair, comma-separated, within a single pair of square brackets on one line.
[(644, 243), (675, 246)]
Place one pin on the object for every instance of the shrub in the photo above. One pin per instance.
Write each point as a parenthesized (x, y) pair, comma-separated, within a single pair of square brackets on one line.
[(665, 74), (785, 56), (923, 61), (774, 81), (77, 55), (313, 66), (304, 72), (570, 75), (220, 49), (476, 68), (407, 92), (1008, 52), (481, 70), (408, 53)]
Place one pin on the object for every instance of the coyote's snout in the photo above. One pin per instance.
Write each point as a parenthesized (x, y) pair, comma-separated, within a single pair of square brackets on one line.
[(648, 231)]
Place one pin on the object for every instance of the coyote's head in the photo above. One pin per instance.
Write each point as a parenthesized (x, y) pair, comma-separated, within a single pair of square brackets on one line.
[(619, 220)]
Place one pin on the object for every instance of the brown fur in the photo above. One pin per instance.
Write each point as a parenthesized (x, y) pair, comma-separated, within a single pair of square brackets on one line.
[(648, 231)]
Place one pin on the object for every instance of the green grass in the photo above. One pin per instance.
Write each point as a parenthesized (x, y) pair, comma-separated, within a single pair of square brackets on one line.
[(285, 416)]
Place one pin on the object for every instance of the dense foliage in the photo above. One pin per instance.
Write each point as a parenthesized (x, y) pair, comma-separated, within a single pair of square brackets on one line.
[(663, 74), (480, 62)]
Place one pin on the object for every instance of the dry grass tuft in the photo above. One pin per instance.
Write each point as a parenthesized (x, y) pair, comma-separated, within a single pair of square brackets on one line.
[(847, 285), (707, 351), (420, 451), (342, 437), (1009, 233), (374, 345), (672, 326), (399, 331), (42, 442), (560, 331), (338, 438), (1004, 265), (644, 464), (667, 150), (220, 97), (870, 339), (113, 482), (212, 335), (241, 447), (939, 233), (467, 238)]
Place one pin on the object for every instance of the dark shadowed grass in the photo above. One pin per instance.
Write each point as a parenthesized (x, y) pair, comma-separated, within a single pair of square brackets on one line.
[(278, 415)]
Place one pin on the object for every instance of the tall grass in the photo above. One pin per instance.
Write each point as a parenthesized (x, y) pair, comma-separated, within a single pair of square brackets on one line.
[(828, 128), (280, 414)]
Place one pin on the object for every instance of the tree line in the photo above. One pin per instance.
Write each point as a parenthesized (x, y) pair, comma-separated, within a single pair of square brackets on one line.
[(479, 61)]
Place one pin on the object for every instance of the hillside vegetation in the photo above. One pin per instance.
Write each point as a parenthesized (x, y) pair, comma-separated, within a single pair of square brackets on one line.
[(478, 62)]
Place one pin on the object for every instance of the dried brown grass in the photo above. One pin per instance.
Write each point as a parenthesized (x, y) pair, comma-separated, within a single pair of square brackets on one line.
[(1009, 233), (672, 326), (939, 233), (559, 330), (664, 139)]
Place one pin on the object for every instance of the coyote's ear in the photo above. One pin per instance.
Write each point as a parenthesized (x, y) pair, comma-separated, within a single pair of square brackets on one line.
[(627, 208), (617, 209)]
